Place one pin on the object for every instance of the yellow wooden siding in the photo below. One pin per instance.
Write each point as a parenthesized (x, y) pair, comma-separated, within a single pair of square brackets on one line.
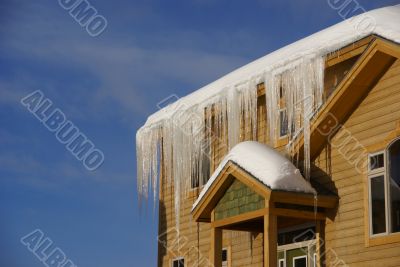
[(372, 121), (375, 118)]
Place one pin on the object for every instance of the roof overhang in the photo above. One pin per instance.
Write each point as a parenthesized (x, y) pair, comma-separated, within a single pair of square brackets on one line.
[(202, 212), (363, 76)]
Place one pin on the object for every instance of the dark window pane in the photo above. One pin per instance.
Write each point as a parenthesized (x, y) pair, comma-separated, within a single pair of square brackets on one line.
[(283, 123), (224, 255), (301, 262), (376, 162), (394, 180), (378, 213), (179, 263)]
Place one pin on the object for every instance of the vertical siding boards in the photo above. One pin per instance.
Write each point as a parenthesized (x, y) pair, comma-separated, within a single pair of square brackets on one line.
[(372, 120)]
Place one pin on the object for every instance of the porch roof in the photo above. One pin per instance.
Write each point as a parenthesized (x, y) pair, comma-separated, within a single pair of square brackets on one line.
[(263, 169)]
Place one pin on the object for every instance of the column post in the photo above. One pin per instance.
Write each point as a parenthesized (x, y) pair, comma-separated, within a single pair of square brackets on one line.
[(270, 240), (216, 247)]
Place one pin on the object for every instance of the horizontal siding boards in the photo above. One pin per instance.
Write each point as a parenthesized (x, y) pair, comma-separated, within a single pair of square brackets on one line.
[(375, 118)]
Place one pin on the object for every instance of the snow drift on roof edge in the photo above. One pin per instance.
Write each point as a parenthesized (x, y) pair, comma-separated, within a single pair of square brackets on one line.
[(266, 165), (386, 23)]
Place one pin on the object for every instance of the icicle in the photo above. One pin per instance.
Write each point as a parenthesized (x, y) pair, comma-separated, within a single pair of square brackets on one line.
[(184, 139), (272, 98), (233, 114), (148, 158), (248, 108)]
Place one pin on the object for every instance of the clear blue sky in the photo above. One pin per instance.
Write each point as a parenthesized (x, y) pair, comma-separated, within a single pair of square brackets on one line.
[(107, 86)]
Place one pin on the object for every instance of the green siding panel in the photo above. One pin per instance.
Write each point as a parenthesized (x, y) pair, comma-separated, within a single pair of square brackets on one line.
[(238, 199)]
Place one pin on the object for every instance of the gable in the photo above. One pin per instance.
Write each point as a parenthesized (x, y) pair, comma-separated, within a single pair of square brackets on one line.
[(238, 199), (351, 91)]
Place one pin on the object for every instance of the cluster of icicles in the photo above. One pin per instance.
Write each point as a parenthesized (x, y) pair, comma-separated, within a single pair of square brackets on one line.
[(183, 139)]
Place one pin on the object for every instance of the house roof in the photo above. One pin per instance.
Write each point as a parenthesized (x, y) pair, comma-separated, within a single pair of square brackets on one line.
[(383, 22), (266, 165), (369, 68), (269, 175)]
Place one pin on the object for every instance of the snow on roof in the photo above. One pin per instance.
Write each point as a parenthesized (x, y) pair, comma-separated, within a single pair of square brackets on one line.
[(266, 165), (384, 22)]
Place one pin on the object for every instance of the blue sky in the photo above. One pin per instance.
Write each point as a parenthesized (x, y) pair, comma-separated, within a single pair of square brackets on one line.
[(107, 86)]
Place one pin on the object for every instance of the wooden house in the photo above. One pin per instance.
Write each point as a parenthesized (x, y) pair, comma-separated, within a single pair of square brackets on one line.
[(292, 160)]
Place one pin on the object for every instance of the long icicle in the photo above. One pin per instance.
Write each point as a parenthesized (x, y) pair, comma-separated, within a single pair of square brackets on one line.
[(185, 138)]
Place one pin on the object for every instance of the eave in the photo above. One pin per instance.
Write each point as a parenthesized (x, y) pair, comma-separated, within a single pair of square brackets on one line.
[(203, 210), (363, 76)]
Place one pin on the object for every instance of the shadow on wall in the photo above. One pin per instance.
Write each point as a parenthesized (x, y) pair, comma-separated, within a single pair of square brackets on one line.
[(321, 179)]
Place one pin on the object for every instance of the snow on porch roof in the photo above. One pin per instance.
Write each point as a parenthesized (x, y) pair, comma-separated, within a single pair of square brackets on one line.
[(384, 22), (264, 164)]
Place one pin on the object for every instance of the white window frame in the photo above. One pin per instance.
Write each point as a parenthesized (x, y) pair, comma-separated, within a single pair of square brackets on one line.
[(370, 177), (379, 170), (280, 124), (282, 260), (178, 259), (300, 257), (315, 260), (383, 171), (387, 188)]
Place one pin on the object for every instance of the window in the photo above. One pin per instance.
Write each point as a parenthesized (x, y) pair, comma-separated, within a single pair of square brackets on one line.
[(300, 261), (376, 161), (281, 263), (394, 186), (378, 206), (283, 119), (180, 262), (384, 190), (283, 123), (224, 257)]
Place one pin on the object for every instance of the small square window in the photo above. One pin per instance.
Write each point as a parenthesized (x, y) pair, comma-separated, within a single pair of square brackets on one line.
[(178, 262), (300, 261), (376, 161)]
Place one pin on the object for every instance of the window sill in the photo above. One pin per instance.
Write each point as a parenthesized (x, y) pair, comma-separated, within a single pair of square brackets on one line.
[(383, 240)]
